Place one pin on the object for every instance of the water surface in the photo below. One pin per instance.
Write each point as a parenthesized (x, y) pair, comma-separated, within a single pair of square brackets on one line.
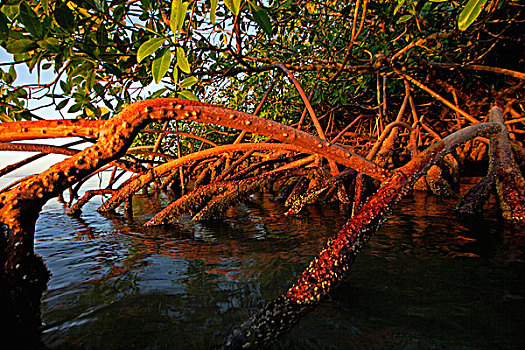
[(424, 281)]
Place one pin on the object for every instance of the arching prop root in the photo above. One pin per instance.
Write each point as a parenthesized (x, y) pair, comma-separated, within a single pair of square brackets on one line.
[(224, 194), (314, 192), (341, 250), (503, 175), (510, 184), (24, 274)]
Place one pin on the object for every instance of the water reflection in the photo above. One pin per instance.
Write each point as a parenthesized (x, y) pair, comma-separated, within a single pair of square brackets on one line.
[(424, 281)]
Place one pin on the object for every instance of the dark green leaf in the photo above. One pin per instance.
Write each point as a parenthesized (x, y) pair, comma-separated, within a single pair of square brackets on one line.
[(65, 86), (30, 21), (119, 13), (102, 35), (149, 47), (64, 17), (62, 104), (11, 11), (113, 69), (21, 46), (4, 29), (161, 64), (90, 80), (34, 61), (470, 13), (261, 18), (11, 76), (75, 108)]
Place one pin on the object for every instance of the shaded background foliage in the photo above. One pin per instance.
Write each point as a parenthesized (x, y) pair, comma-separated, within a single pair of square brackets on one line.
[(107, 54)]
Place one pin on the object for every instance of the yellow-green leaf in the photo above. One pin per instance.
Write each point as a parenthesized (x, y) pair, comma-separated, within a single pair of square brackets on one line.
[(188, 82), (469, 14), (188, 95), (182, 61), (178, 13), (5, 118), (51, 44), (213, 10), (148, 48), (21, 46), (160, 65), (233, 5)]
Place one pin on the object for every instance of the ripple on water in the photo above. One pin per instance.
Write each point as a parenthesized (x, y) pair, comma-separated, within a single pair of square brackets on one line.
[(425, 280)]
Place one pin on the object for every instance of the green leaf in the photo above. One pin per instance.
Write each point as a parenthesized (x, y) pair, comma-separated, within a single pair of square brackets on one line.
[(64, 17), (470, 13), (102, 35), (161, 64), (62, 104), (34, 61), (65, 86), (4, 29), (176, 75), (188, 82), (233, 5), (404, 18), (213, 10), (178, 13), (6, 118), (149, 47), (11, 76), (175, 8), (182, 61), (158, 93), (30, 21), (75, 108), (90, 80), (113, 69), (21, 46), (45, 5), (188, 95), (261, 18), (50, 44), (182, 15), (399, 4)]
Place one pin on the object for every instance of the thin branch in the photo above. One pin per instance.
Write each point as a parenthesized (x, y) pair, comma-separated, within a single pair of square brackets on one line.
[(504, 71), (437, 96)]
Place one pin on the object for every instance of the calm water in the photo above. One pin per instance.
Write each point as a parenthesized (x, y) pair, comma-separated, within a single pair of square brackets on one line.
[(425, 281)]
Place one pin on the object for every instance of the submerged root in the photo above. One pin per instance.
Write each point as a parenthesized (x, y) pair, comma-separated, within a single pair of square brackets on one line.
[(241, 189), (473, 201), (510, 184), (313, 194), (329, 266)]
